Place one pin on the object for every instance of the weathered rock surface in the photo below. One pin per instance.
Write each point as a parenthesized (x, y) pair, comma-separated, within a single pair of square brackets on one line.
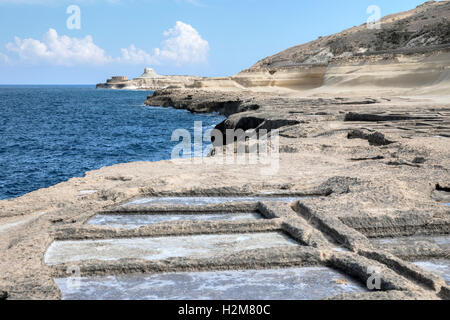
[(375, 198), (371, 164)]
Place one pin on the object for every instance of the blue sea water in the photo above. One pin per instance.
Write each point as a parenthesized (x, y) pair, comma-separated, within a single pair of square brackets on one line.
[(50, 134)]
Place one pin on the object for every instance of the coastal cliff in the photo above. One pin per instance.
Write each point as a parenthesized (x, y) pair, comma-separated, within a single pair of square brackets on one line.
[(408, 50), (148, 80)]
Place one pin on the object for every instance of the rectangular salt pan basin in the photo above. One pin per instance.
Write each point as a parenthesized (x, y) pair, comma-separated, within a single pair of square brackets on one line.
[(201, 201), (309, 283), (200, 246), (441, 241), (131, 221), (440, 267)]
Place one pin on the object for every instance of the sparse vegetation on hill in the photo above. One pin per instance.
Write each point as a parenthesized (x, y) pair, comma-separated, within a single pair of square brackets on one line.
[(425, 26)]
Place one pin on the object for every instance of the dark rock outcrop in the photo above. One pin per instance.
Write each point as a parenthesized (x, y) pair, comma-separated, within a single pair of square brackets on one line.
[(337, 185), (375, 139)]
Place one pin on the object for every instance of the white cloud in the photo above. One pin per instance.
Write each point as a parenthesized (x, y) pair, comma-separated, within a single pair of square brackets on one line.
[(59, 50), (136, 56), (184, 45)]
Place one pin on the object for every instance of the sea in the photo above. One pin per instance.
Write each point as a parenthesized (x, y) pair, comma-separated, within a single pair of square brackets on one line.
[(50, 134)]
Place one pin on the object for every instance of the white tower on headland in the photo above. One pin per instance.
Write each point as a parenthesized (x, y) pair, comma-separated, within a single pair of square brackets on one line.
[(149, 73)]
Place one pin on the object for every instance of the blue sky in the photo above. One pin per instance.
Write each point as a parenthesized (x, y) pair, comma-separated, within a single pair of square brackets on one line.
[(200, 37)]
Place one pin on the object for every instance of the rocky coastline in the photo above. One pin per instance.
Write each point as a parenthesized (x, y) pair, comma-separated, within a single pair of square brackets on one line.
[(364, 149), (366, 174)]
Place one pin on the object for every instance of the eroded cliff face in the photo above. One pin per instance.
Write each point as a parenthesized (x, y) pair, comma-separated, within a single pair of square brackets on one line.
[(410, 50), (404, 72), (295, 77), (419, 71), (429, 72), (413, 72)]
